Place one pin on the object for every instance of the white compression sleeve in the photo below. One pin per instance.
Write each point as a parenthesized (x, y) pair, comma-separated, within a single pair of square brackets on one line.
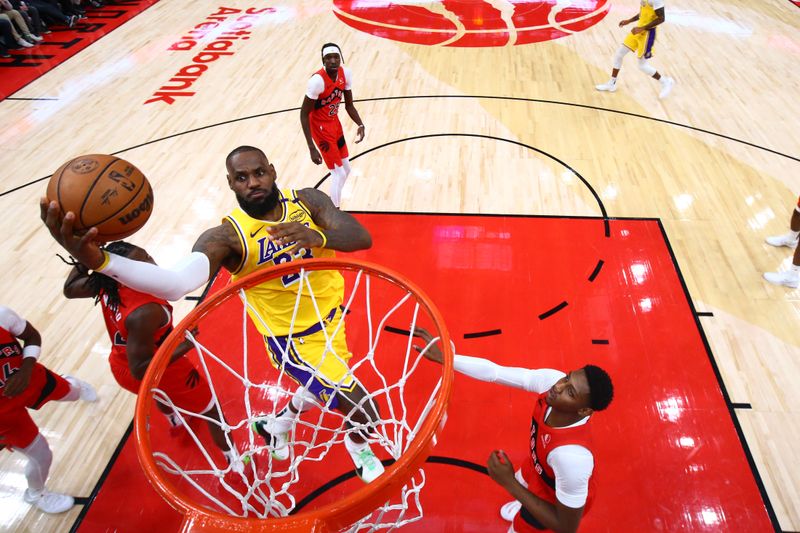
[(521, 378), (169, 283), (646, 67), (39, 459), (619, 55)]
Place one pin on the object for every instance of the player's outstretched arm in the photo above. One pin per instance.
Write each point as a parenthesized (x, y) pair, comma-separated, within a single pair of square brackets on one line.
[(342, 231), (216, 247), (531, 380), (556, 517)]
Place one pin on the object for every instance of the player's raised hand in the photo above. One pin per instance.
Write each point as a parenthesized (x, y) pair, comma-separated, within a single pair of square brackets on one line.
[(500, 468), (362, 130), (294, 232), (430, 351), (315, 157), (81, 247)]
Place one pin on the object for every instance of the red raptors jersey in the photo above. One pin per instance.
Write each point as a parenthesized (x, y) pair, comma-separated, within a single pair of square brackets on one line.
[(130, 300), (545, 439), (10, 356), (326, 107)]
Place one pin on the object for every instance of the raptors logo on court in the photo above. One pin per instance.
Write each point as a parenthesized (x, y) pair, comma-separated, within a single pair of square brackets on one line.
[(480, 23)]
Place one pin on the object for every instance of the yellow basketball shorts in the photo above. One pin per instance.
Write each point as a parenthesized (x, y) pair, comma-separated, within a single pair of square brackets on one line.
[(643, 43), (308, 359)]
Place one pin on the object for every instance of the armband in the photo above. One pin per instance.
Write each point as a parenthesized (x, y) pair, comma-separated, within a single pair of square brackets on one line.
[(104, 264), (31, 350)]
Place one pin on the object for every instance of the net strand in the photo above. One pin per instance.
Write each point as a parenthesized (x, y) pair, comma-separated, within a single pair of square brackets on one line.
[(267, 482)]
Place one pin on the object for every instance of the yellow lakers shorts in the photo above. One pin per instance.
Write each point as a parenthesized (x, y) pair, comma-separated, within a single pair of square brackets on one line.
[(311, 362), (642, 43)]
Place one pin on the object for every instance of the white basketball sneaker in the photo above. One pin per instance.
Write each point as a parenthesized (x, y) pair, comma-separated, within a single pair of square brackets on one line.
[(49, 502), (790, 278), (368, 466), (787, 239), (235, 461), (610, 86), (278, 443), (510, 510), (666, 87), (88, 394)]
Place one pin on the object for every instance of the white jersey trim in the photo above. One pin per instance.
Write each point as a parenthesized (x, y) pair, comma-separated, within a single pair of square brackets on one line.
[(316, 84)]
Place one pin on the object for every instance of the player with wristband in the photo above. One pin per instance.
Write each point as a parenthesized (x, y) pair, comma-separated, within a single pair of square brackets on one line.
[(27, 384), (270, 227)]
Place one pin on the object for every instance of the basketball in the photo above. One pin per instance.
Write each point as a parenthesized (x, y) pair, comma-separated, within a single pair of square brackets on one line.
[(105, 192)]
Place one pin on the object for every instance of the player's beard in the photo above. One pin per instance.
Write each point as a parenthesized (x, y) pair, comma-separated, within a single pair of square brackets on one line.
[(259, 208)]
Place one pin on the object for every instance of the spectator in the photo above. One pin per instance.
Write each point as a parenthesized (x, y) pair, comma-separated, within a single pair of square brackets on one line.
[(31, 16), (6, 37), (25, 40), (51, 13)]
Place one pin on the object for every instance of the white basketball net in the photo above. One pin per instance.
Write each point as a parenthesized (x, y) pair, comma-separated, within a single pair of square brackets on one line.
[(268, 487)]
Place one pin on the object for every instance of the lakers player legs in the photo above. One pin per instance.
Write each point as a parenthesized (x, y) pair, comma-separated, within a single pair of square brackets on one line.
[(271, 226), (641, 40)]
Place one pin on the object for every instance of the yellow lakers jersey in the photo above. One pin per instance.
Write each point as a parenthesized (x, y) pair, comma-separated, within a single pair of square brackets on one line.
[(647, 11), (275, 300)]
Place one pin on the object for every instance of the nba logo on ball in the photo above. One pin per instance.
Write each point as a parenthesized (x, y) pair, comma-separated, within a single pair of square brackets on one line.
[(477, 23)]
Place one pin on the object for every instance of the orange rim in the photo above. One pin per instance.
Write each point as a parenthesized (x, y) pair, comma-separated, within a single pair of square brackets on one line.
[(336, 515)]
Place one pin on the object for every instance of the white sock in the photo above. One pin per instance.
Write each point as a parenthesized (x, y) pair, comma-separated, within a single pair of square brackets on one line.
[(173, 419), (338, 177), (795, 269), (354, 447), (39, 460), (302, 400), (346, 167), (74, 390), (794, 234)]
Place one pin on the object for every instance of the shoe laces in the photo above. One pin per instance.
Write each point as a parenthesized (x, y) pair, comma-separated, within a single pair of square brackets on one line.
[(367, 458)]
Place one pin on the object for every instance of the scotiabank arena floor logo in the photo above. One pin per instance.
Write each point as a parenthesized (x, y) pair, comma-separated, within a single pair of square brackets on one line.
[(475, 23)]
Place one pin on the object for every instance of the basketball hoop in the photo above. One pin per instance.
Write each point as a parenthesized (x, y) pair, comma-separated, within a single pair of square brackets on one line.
[(411, 393)]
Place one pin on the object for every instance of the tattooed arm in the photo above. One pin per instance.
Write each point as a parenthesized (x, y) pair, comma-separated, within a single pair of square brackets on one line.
[(340, 230)]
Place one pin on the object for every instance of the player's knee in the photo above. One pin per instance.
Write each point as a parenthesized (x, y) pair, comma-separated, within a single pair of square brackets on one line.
[(303, 400), (619, 55), (38, 453), (646, 67)]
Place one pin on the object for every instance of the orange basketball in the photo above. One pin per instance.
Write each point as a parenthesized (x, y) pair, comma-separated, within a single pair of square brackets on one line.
[(105, 192)]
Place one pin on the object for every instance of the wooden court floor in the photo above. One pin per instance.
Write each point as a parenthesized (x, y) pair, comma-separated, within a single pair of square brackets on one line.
[(494, 129)]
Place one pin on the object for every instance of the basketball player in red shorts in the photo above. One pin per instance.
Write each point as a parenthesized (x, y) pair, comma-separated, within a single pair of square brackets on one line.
[(554, 487), (319, 117), (789, 278), (26, 384), (137, 323)]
